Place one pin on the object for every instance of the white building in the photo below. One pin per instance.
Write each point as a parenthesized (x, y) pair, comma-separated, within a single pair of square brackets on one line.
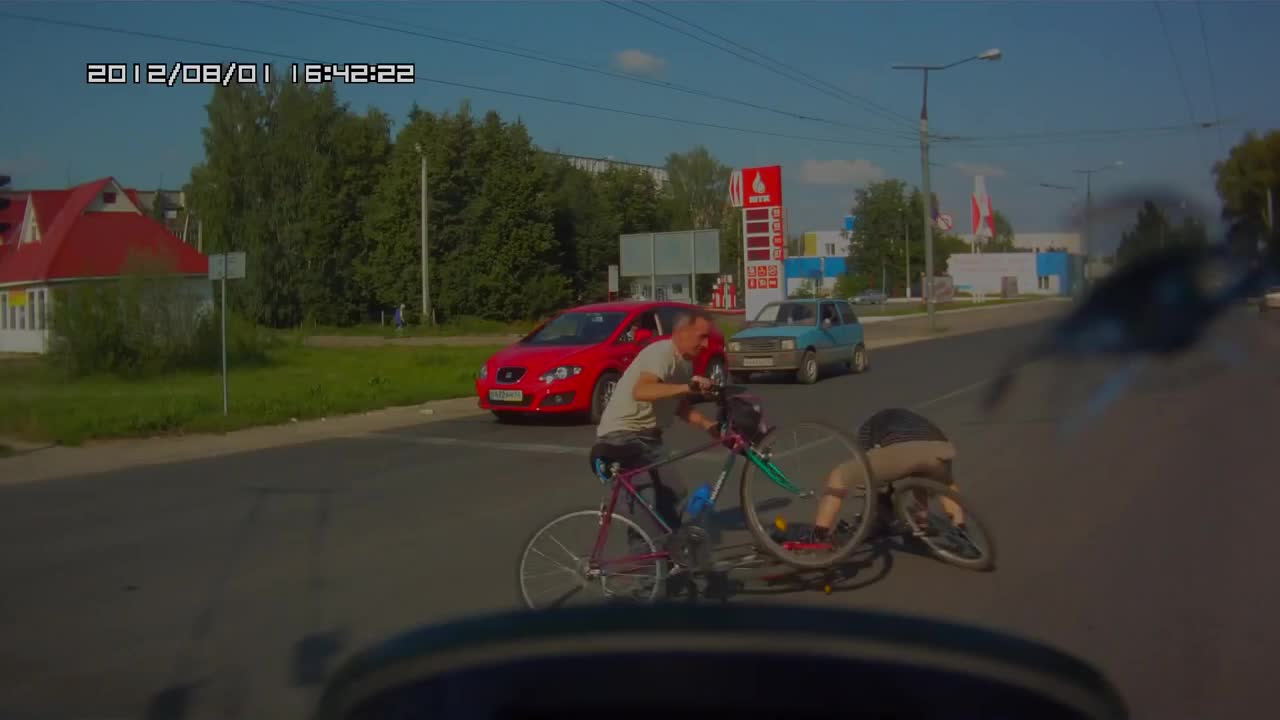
[(599, 165), (826, 243), (1041, 242)]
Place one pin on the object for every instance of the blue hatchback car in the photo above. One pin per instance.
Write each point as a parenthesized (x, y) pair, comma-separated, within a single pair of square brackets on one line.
[(801, 336)]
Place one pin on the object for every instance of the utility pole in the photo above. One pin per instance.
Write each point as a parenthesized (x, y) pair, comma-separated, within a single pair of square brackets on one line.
[(426, 216), (927, 288), (906, 255), (1087, 250), (1271, 212)]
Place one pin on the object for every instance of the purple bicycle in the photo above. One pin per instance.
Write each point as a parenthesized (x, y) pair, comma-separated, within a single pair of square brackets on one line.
[(636, 568)]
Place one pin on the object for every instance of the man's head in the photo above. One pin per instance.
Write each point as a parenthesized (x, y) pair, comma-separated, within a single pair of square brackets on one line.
[(692, 333)]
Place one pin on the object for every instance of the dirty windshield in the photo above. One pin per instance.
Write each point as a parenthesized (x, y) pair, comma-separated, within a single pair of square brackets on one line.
[(577, 328), (787, 314), (275, 381)]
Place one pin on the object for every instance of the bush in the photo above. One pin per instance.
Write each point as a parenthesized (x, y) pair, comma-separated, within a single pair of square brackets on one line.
[(145, 325), (850, 285)]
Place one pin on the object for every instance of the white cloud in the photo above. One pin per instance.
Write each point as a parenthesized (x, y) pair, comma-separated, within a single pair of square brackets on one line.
[(980, 169), (840, 172), (639, 62)]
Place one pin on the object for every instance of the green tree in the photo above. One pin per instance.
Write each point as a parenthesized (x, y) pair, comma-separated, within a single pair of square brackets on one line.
[(1243, 178), (698, 189), (1003, 240), (158, 206), (1153, 231)]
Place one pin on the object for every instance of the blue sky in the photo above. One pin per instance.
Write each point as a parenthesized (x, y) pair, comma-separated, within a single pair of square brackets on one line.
[(1067, 67)]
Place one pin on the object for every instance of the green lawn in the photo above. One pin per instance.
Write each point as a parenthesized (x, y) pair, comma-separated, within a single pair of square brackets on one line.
[(38, 403), (918, 307), (461, 327)]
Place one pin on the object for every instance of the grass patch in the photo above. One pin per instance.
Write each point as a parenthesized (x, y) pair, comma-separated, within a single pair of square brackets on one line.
[(460, 327), (5, 451), (918, 308), (39, 402)]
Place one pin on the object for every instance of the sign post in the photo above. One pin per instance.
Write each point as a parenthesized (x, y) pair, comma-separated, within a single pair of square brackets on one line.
[(225, 266), (758, 191)]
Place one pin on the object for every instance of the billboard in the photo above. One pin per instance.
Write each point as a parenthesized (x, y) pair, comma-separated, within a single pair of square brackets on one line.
[(682, 252)]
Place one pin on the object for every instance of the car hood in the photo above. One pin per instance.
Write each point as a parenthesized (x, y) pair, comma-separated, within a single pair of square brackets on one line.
[(771, 331), (538, 357)]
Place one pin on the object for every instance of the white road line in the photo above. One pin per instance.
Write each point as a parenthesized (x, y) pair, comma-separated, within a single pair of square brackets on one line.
[(954, 393), (542, 448)]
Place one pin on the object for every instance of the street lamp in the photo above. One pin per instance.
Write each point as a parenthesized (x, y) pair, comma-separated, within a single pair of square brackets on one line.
[(1088, 209), (992, 54)]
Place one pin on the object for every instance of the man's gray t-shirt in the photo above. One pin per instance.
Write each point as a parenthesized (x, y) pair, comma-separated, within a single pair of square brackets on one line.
[(625, 413)]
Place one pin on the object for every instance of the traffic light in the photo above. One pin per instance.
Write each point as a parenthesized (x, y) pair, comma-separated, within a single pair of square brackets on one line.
[(4, 203)]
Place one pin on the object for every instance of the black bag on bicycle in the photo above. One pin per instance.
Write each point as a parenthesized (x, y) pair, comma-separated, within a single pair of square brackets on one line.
[(744, 415)]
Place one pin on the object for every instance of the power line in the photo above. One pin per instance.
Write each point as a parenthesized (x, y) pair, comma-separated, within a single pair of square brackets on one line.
[(532, 55), (1182, 82), (1077, 137), (450, 83), (866, 101), (735, 53), (1213, 84)]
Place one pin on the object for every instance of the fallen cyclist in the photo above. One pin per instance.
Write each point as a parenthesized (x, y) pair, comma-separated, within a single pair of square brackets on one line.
[(898, 444)]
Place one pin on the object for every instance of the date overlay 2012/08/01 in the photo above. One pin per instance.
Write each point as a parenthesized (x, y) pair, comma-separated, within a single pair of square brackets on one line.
[(183, 73)]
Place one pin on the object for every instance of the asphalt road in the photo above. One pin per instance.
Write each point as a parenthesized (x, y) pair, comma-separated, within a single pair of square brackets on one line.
[(227, 587)]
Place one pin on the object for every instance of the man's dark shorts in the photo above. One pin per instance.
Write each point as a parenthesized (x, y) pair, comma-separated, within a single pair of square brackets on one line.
[(635, 450)]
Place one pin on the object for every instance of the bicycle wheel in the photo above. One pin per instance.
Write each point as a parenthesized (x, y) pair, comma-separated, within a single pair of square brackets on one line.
[(818, 448), (610, 575), (956, 545)]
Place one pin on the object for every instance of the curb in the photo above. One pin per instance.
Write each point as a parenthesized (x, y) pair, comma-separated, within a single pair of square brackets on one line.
[(876, 319)]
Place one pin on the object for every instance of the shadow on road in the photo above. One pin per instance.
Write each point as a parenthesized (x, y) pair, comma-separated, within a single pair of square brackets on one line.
[(868, 566), (313, 654)]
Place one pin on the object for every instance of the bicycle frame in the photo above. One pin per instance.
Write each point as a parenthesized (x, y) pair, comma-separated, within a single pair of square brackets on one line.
[(737, 445)]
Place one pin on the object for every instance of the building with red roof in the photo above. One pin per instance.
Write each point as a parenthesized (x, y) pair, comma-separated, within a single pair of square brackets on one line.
[(91, 232)]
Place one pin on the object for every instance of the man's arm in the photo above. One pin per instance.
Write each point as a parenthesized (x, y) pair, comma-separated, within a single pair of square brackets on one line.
[(693, 417), (650, 388)]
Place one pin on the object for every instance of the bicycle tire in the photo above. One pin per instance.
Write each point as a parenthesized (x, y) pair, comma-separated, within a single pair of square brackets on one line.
[(523, 556), (901, 491), (762, 535)]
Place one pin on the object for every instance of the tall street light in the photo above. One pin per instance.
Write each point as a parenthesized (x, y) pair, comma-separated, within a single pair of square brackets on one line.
[(1087, 250), (992, 54)]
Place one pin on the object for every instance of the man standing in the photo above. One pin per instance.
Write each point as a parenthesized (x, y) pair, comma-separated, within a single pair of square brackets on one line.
[(656, 388)]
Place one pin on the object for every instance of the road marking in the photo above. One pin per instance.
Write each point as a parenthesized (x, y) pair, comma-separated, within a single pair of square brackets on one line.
[(542, 448), (960, 391)]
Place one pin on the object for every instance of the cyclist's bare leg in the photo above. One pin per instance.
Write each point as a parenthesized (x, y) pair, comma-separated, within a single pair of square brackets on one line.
[(922, 459)]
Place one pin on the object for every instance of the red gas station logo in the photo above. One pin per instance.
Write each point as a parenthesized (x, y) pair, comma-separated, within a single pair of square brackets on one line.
[(756, 187)]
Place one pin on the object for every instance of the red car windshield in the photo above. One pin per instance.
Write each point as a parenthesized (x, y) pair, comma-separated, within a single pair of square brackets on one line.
[(577, 328)]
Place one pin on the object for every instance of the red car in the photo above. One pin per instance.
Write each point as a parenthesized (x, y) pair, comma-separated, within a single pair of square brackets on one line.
[(570, 363)]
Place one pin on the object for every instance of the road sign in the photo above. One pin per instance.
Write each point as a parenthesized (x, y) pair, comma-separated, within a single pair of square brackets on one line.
[(945, 222), (227, 266), (848, 223)]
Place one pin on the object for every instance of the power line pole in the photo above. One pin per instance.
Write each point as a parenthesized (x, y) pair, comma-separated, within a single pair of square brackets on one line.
[(1087, 250), (426, 282), (927, 289)]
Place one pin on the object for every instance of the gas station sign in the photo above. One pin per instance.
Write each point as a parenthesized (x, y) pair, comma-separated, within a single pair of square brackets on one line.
[(758, 191)]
